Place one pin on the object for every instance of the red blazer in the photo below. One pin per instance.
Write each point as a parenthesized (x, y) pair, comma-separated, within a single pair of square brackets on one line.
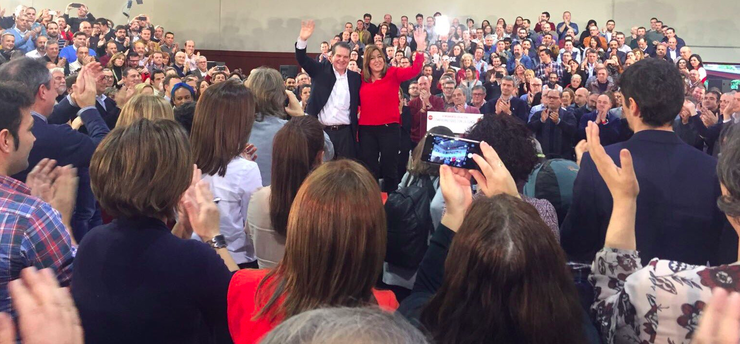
[(241, 307)]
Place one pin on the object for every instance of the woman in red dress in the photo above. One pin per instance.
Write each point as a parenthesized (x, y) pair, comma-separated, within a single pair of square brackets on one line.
[(333, 255), (379, 130)]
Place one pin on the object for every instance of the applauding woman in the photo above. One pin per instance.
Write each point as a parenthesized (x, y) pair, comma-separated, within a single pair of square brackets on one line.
[(380, 119)]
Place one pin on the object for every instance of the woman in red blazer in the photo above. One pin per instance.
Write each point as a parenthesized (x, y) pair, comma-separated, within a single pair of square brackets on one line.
[(333, 255), (379, 130)]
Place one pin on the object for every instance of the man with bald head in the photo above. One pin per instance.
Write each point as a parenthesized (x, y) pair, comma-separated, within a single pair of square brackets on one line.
[(685, 53), (421, 106)]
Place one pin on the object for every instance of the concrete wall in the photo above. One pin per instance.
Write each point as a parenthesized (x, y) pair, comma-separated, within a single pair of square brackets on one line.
[(709, 26)]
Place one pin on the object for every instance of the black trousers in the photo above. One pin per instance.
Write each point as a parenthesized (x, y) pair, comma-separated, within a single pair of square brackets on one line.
[(384, 141), (343, 140)]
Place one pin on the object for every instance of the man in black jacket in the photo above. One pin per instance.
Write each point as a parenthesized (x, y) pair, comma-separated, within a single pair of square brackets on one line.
[(335, 94)]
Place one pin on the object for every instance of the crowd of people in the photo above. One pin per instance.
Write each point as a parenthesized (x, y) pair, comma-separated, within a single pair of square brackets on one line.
[(149, 197)]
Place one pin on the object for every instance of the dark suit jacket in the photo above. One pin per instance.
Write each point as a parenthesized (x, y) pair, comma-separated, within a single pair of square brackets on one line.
[(70, 147), (65, 112), (557, 140), (677, 214), (519, 108), (322, 81)]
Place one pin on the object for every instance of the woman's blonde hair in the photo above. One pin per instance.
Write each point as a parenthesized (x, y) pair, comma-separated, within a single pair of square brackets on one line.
[(145, 106), (115, 57)]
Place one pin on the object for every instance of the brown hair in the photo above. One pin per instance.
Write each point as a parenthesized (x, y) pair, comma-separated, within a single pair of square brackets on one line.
[(222, 124), (294, 155), (367, 74), (113, 59), (505, 281), (142, 169), (145, 106), (333, 252)]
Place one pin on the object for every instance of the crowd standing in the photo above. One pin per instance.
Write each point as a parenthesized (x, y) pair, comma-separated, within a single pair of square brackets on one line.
[(164, 199)]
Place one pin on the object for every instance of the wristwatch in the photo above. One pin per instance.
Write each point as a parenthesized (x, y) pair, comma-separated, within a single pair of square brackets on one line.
[(217, 242)]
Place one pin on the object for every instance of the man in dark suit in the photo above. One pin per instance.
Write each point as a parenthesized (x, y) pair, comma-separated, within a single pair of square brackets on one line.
[(507, 103), (372, 28), (67, 109), (335, 94), (677, 214), (554, 127), (60, 142)]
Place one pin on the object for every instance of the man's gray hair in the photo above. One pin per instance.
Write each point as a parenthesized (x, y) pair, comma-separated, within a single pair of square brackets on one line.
[(345, 325), (489, 36), (28, 73), (509, 78), (481, 88)]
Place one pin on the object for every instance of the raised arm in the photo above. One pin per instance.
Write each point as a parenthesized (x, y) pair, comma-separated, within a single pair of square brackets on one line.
[(404, 74), (310, 65)]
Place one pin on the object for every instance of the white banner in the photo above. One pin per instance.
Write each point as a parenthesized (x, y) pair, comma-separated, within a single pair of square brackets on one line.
[(459, 123)]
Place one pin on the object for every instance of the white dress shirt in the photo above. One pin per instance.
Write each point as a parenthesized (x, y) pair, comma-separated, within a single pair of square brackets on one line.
[(234, 190), (336, 109), (34, 54)]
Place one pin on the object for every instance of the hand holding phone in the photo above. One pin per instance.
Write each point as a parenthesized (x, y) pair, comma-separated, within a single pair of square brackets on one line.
[(450, 151)]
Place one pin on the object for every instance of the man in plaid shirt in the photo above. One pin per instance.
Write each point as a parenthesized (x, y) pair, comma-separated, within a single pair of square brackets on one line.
[(547, 65), (34, 218)]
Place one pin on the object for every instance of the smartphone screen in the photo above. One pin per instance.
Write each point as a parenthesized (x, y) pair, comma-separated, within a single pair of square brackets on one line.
[(451, 151)]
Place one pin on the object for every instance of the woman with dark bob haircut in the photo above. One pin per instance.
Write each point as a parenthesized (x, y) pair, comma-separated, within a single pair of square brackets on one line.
[(134, 280), (504, 279)]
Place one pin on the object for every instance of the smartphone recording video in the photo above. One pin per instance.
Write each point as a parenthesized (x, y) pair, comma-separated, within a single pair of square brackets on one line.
[(450, 151)]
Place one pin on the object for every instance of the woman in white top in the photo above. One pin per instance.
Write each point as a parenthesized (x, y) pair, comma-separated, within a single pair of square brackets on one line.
[(221, 127), (298, 148)]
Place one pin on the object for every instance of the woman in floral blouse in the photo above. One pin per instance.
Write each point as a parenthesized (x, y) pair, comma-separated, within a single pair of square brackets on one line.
[(662, 302)]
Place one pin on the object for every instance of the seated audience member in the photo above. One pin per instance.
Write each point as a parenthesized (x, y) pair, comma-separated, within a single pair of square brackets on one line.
[(460, 105), (61, 142), (627, 292), (299, 147), (221, 129), (554, 127), (36, 230), (366, 325), (323, 224), (139, 174), (507, 103), (181, 93), (607, 122), (144, 106), (465, 270), (676, 177)]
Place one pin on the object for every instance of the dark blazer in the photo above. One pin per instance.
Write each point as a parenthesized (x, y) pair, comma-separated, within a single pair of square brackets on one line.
[(70, 147), (65, 112), (322, 82), (557, 140), (608, 133), (519, 108), (135, 282), (677, 214)]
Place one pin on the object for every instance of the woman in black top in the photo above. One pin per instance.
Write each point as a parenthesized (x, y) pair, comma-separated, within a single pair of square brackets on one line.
[(134, 281)]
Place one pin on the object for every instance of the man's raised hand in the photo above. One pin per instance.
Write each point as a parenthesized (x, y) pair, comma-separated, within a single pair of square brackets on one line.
[(307, 27)]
